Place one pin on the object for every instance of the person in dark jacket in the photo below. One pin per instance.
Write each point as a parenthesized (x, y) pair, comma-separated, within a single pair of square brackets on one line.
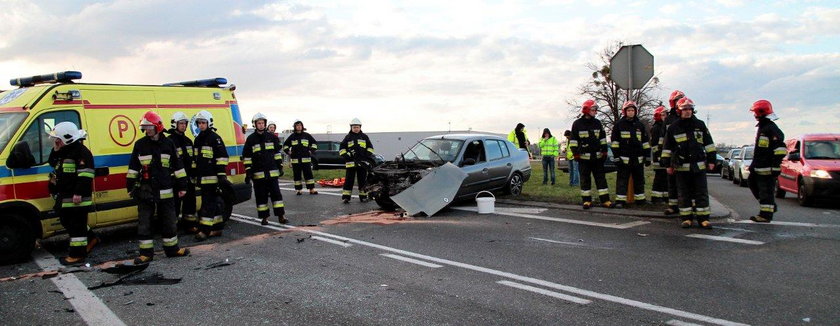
[(632, 152), (155, 175), (185, 206), (519, 137), (263, 165), (688, 152), (211, 160), (659, 191), (356, 148), (71, 184), (769, 151), (673, 116), (300, 146), (589, 148)]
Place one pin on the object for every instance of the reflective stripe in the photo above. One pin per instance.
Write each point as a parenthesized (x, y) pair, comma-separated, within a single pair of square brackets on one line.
[(625, 159), (306, 160), (573, 143), (181, 173), (222, 161), (269, 146), (258, 175), (145, 159), (304, 142), (256, 148), (78, 242), (370, 149), (763, 141), (286, 147), (86, 173), (585, 192), (68, 202), (209, 180), (278, 156), (350, 164), (190, 218), (218, 219), (585, 156), (583, 134), (603, 141), (166, 193), (274, 173), (247, 161), (146, 244), (362, 193), (207, 151), (298, 183), (701, 165), (614, 144), (279, 204), (170, 242), (362, 143), (131, 174), (680, 138), (640, 196), (780, 151), (763, 171), (685, 211), (645, 146), (179, 151), (310, 181), (346, 192), (342, 152), (703, 211), (673, 202), (313, 146), (262, 208), (710, 148), (625, 134), (666, 153), (207, 221), (295, 142), (768, 208), (620, 197), (164, 160), (604, 191), (351, 143)]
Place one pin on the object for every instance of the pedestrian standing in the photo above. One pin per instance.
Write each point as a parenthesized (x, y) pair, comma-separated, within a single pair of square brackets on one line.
[(767, 158), (631, 148), (211, 160), (185, 207), (589, 146), (574, 170), (355, 149), (673, 116), (301, 146), (549, 148), (519, 137), (688, 153), (263, 166), (659, 191)]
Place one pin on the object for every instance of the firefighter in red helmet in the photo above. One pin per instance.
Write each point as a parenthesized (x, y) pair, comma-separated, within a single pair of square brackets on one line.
[(659, 191), (589, 147), (629, 142), (769, 151), (672, 116), (155, 176)]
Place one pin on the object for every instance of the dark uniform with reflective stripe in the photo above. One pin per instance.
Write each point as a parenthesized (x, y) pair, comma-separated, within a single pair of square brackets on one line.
[(185, 207), (631, 149), (589, 146), (263, 163), (300, 147), (211, 160), (689, 148), (673, 194), (769, 151), (74, 173), (355, 148), (659, 191), (155, 176)]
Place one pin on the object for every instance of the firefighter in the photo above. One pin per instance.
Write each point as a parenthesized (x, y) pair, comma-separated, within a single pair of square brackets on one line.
[(688, 152), (769, 151), (211, 159), (659, 193), (300, 146), (272, 128), (673, 116), (589, 149), (263, 163), (71, 185), (155, 175), (632, 152), (184, 206), (355, 148)]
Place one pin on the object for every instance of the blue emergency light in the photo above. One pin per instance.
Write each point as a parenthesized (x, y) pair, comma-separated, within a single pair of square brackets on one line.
[(212, 82), (59, 77)]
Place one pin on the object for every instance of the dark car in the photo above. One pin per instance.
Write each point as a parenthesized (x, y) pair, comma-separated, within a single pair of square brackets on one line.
[(728, 162), (718, 164), (326, 157), (609, 165)]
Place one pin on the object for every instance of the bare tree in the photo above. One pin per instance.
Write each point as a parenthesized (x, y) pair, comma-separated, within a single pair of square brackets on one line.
[(608, 95)]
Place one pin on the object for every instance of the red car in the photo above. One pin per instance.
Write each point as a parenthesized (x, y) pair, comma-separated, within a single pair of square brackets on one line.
[(811, 169)]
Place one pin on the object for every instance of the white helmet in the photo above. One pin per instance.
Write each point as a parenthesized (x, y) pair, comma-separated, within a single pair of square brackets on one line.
[(356, 122), (271, 123), (178, 117), (259, 116), (206, 116), (67, 132)]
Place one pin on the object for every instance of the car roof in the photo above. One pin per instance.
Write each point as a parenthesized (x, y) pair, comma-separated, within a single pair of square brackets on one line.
[(824, 136), (464, 136)]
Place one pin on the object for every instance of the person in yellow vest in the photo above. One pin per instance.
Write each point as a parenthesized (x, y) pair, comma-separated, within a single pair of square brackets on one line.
[(549, 148), (519, 137), (574, 173)]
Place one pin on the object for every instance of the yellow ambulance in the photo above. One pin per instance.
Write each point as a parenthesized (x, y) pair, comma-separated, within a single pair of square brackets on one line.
[(110, 114)]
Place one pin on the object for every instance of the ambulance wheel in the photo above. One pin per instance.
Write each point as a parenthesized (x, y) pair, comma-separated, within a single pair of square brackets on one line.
[(17, 239)]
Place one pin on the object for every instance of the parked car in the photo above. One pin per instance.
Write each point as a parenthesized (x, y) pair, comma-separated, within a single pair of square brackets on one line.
[(728, 162), (811, 168), (718, 163), (741, 167), (492, 163), (326, 157), (609, 165)]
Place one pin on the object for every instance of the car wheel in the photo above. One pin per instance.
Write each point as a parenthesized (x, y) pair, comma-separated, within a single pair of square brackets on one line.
[(515, 184), (385, 203), (741, 181), (802, 195), (17, 239), (735, 181), (779, 192)]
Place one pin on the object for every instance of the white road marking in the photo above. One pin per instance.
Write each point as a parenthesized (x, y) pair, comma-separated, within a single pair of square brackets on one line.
[(335, 242), (412, 260), (284, 227), (320, 192), (526, 279), (812, 225), (87, 304), (521, 210), (726, 239), (552, 294), (563, 220), (674, 322), (560, 242)]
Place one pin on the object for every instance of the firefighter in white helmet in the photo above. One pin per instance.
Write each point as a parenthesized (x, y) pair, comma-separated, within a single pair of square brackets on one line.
[(300, 146), (356, 148), (263, 163), (211, 160), (272, 127), (185, 206)]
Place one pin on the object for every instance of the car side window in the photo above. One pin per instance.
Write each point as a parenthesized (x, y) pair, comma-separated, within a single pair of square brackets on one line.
[(505, 149), (494, 151), (475, 150), (37, 135)]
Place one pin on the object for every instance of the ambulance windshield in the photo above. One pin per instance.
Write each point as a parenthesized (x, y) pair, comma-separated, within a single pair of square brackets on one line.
[(9, 124)]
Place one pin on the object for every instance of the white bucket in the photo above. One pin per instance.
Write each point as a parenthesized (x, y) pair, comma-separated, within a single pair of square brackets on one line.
[(486, 205)]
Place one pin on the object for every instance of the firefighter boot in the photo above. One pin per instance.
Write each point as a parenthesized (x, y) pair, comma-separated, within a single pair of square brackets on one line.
[(587, 205), (686, 223), (71, 261)]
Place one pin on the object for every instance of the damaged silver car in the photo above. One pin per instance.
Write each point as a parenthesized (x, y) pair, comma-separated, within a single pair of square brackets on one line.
[(456, 167)]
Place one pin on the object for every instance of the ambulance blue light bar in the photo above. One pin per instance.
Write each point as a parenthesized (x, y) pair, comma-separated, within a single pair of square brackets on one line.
[(59, 77), (212, 82)]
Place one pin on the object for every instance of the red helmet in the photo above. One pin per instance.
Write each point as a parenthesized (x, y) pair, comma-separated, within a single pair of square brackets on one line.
[(685, 104), (659, 113), (762, 108), (588, 106), (675, 96), (152, 119), (627, 105)]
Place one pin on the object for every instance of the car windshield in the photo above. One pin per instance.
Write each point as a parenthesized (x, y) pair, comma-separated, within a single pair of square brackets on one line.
[(447, 149), (9, 124), (748, 155), (328, 146), (822, 149)]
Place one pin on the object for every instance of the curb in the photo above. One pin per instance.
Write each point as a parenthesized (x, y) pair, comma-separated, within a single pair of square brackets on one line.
[(720, 212)]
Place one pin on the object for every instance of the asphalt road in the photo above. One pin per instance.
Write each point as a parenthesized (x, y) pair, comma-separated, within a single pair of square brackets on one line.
[(523, 265)]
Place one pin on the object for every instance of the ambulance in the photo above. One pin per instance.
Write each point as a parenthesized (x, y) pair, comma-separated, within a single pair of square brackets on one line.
[(110, 113)]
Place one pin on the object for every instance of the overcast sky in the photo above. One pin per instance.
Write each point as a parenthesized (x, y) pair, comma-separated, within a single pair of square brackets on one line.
[(423, 65)]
